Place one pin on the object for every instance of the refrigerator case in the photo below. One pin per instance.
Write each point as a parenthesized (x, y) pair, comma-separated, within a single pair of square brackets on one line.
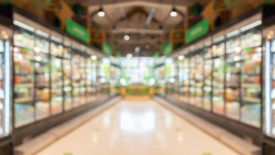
[(23, 76), (218, 50), (232, 73), (56, 78), (5, 83), (251, 42)]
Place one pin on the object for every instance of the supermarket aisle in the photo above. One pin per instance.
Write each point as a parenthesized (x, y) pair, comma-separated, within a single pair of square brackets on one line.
[(137, 128)]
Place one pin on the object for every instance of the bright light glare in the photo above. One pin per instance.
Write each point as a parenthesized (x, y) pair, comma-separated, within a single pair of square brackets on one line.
[(93, 57), (129, 56), (137, 123), (172, 80), (126, 37), (102, 80), (123, 82), (152, 82), (181, 57)]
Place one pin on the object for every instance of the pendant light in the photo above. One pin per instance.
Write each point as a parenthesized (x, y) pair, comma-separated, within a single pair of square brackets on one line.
[(173, 12), (101, 12)]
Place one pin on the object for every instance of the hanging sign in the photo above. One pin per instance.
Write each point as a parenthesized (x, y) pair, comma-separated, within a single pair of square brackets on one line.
[(167, 48), (107, 48), (77, 31), (197, 31)]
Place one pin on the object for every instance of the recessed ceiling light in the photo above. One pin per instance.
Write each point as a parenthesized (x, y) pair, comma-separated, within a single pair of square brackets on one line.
[(137, 49), (126, 37)]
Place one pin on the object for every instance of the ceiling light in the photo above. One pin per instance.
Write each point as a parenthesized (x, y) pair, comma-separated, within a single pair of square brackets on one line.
[(181, 57), (126, 37), (129, 56), (173, 12), (137, 49), (101, 12)]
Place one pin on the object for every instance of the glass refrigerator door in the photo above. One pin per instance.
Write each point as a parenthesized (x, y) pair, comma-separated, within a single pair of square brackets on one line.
[(207, 88), (56, 78), (42, 76), (23, 77), (83, 80), (233, 72), (76, 77), (192, 97), (90, 81), (270, 84), (67, 87), (251, 77), (218, 78), (198, 77), (184, 85), (5, 83)]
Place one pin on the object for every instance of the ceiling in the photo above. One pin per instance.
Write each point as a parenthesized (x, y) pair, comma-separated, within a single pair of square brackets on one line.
[(145, 21)]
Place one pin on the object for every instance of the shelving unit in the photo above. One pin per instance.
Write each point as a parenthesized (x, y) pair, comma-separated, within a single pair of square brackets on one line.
[(225, 69), (50, 73)]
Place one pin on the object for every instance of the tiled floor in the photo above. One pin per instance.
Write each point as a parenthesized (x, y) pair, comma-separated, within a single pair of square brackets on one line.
[(137, 128)]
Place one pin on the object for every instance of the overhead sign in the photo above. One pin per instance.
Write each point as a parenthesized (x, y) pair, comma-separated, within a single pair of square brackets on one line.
[(197, 31), (167, 48), (77, 31), (107, 48)]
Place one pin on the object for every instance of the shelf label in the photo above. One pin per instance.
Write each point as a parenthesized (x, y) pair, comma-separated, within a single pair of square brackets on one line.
[(197, 31), (78, 31)]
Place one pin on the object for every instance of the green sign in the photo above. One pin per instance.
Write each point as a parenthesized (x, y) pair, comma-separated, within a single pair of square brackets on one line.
[(197, 31), (167, 48), (107, 48), (77, 31)]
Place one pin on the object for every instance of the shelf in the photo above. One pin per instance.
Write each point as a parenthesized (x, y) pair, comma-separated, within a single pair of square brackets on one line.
[(24, 85), (251, 74), (244, 48), (251, 99), (23, 100), (251, 85), (232, 87), (21, 46)]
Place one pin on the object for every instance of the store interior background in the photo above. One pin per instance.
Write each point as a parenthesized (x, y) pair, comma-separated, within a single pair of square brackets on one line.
[(214, 58)]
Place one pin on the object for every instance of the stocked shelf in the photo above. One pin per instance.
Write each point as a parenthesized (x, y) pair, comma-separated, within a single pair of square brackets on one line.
[(225, 76)]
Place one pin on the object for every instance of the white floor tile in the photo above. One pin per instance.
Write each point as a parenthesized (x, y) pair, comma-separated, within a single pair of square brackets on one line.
[(137, 128)]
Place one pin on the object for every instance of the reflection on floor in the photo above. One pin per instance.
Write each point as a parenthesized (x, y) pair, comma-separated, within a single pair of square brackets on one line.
[(135, 127)]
